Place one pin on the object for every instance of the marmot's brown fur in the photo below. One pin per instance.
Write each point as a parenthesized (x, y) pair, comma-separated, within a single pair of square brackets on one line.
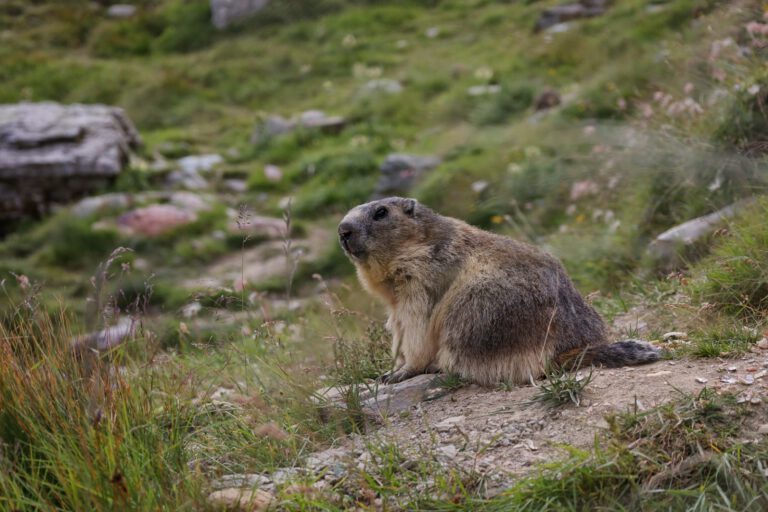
[(467, 301)]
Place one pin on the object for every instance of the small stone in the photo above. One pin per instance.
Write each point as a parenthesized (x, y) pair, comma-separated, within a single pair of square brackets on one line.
[(448, 423), (674, 335), (728, 380), (236, 186), (732, 368), (199, 163), (763, 429), (762, 344), (483, 90), (701, 380), (448, 450), (241, 499), (121, 11), (385, 85), (747, 380), (273, 173), (100, 204)]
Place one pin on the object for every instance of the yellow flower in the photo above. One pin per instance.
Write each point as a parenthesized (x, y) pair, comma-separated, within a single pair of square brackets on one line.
[(497, 219)]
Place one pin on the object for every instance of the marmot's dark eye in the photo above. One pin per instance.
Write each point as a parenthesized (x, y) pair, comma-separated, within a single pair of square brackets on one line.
[(380, 213)]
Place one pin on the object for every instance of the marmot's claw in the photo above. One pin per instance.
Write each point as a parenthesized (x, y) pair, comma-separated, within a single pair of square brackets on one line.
[(396, 376)]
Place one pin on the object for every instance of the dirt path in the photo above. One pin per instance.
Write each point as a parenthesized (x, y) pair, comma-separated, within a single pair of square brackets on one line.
[(502, 436)]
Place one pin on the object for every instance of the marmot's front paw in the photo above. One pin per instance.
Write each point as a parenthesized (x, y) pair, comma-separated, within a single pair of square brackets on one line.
[(398, 375)]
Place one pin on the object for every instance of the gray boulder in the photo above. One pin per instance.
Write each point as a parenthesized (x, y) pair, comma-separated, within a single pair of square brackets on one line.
[(227, 12), (52, 153), (399, 172), (670, 248)]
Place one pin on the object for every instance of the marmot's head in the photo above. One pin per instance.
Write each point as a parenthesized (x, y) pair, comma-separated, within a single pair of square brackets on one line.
[(380, 228)]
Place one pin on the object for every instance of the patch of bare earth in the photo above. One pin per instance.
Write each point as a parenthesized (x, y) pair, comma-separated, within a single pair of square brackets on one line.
[(501, 435)]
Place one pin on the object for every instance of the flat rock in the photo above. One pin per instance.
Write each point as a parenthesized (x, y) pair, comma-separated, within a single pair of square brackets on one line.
[(154, 220), (380, 401), (107, 338), (52, 153), (667, 248)]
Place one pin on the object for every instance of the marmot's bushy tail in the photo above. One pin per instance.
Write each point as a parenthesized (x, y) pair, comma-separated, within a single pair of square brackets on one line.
[(610, 355)]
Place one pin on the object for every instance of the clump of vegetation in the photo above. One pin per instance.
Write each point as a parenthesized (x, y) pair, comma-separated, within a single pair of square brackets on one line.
[(562, 386), (730, 339), (335, 182), (734, 277)]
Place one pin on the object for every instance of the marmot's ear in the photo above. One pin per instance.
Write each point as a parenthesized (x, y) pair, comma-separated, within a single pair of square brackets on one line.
[(409, 206)]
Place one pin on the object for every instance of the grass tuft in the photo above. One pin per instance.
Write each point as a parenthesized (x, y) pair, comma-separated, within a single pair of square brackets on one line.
[(562, 387)]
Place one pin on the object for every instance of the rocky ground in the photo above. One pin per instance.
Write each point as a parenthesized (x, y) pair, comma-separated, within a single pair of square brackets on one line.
[(500, 435)]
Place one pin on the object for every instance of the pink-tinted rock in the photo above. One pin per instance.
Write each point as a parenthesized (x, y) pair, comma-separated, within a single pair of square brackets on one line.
[(155, 219)]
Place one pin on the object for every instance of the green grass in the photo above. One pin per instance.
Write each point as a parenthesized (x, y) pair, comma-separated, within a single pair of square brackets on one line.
[(735, 277), (123, 431), (729, 340), (562, 386)]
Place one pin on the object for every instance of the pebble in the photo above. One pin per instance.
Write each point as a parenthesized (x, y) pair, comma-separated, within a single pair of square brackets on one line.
[(674, 335), (747, 380), (701, 380), (448, 423)]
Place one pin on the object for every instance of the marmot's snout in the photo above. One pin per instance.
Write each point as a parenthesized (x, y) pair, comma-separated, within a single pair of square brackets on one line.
[(350, 239)]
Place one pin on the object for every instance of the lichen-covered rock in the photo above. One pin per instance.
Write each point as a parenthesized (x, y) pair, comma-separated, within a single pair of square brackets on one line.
[(52, 153)]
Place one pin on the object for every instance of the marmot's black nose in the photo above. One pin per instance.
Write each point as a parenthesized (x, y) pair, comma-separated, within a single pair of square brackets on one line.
[(346, 230)]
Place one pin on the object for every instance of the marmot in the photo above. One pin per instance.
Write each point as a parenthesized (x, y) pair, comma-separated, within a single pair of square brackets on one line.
[(466, 301)]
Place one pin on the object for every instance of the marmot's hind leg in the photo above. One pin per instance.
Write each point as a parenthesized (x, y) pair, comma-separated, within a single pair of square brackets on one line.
[(490, 332)]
